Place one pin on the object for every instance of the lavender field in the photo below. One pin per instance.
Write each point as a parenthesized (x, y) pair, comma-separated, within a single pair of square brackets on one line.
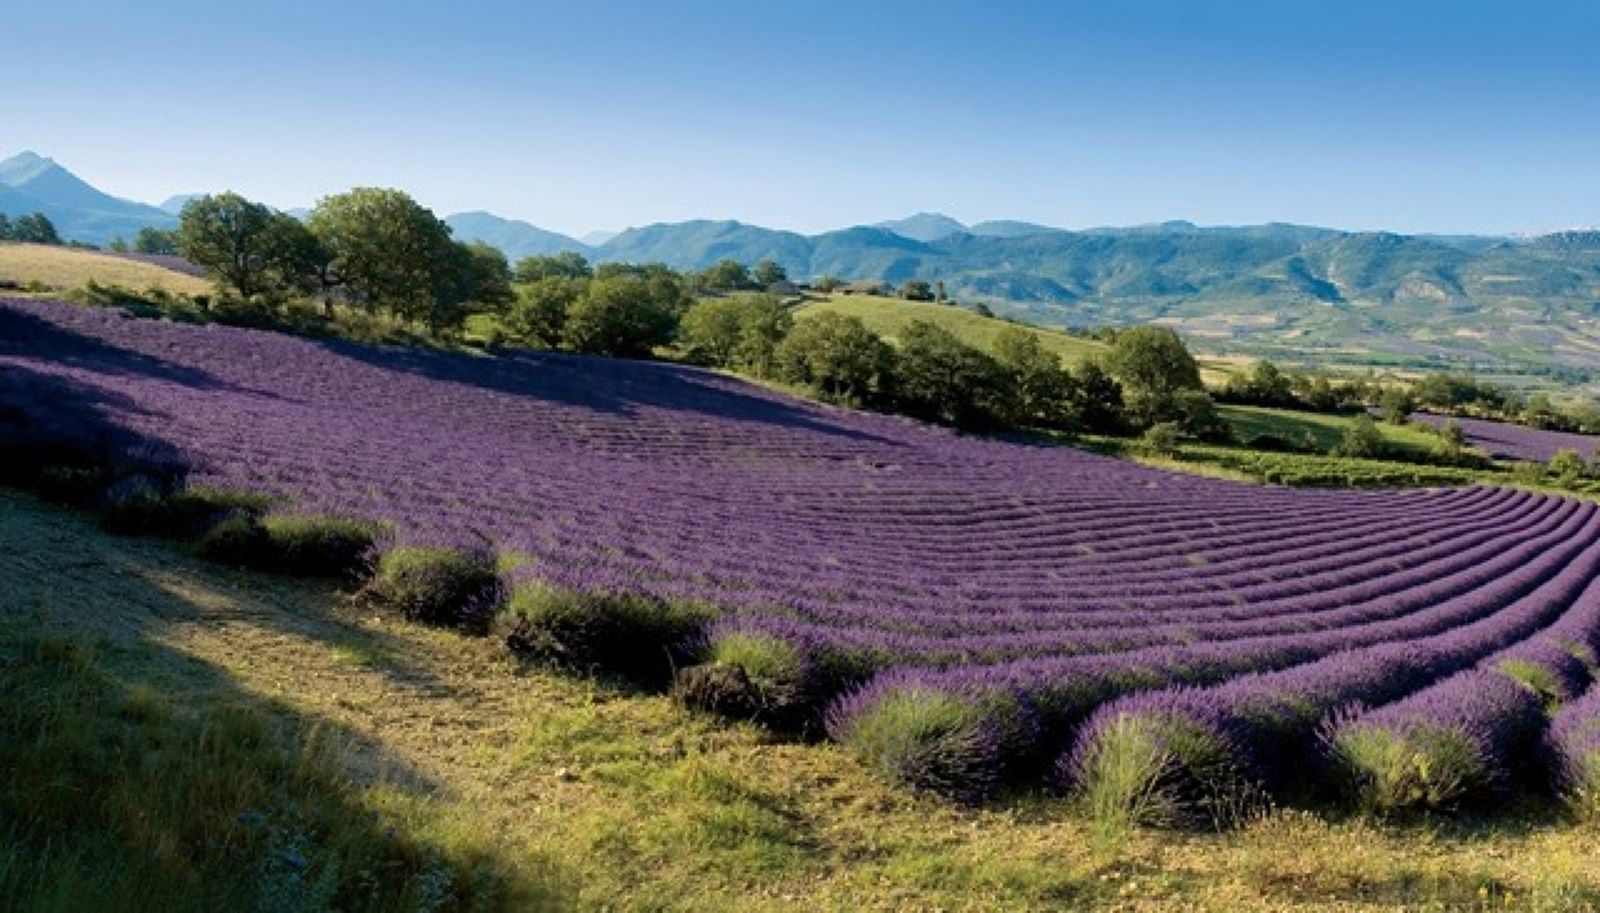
[(1504, 440), (963, 612)]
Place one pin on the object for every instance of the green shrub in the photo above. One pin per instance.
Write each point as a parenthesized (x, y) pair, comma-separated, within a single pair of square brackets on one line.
[(719, 688), (929, 740), (1361, 439), (137, 505), (318, 546), (438, 586), (777, 668), (68, 485), (757, 675), (1161, 439), (237, 540), (1567, 466), (635, 635)]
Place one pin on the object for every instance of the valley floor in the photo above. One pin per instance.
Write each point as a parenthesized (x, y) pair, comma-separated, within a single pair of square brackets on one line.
[(561, 792)]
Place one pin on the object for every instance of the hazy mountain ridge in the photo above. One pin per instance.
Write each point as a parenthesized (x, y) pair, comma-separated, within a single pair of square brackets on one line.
[(514, 237), (79, 211), (1272, 288)]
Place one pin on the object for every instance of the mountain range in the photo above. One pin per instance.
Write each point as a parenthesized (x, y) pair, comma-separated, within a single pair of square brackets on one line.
[(1379, 298)]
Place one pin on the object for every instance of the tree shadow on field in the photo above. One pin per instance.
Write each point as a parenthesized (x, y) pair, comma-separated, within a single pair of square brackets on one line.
[(138, 775), (56, 422), (135, 775), (608, 385), (27, 335)]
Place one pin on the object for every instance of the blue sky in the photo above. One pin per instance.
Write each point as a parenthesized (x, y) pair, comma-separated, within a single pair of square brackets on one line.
[(1412, 116)]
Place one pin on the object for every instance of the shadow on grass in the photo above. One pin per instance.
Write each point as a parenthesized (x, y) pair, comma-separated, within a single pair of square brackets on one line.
[(134, 776)]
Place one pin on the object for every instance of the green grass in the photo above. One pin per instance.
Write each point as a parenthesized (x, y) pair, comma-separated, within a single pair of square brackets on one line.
[(888, 317), (1301, 470), (196, 739), (1324, 429)]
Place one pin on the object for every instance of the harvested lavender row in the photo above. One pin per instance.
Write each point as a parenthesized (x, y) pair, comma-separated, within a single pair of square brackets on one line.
[(988, 595)]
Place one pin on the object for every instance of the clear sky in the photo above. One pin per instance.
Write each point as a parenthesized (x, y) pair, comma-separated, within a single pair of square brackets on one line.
[(1414, 116)]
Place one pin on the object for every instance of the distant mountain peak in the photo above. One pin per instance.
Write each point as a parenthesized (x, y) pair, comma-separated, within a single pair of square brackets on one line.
[(25, 166), (81, 212), (923, 226), (174, 204), (514, 237)]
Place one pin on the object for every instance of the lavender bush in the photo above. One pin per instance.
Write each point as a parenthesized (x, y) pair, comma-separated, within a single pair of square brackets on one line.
[(1575, 743)]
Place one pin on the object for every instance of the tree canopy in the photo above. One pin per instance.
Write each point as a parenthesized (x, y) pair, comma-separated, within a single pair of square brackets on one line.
[(567, 264), (837, 356), (242, 244), (941, 378), (32, 229)]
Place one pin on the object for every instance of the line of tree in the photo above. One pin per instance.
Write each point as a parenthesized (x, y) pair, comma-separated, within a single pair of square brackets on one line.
[(35, 228), (1444, 393), (148, 240), (1265, 384), (1149, 376), (562, 301), (374, 249), (730, 275)]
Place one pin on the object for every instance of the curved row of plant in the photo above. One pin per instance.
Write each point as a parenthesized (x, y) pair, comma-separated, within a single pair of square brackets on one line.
[(1435, 738)]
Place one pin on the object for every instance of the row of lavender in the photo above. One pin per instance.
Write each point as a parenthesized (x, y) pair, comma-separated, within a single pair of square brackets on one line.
[(964, 612), (1505, 440)]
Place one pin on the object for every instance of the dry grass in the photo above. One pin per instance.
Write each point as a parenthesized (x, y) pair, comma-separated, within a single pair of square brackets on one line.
[(593, 796), (66, 268)]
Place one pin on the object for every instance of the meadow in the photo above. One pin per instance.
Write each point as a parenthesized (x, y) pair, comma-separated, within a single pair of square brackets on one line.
[(61, 269)]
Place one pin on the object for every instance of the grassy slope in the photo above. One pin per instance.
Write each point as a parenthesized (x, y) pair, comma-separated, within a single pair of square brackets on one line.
[(888, 316), (67, 268), (560, 792), (1326, 429)]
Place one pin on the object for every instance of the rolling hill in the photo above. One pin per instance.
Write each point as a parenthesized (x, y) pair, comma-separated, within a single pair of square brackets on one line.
[(888, 317)]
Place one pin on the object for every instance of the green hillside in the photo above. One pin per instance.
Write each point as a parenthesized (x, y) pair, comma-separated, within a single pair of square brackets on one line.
[(1323, 428), (888, 317), (1516, 308)]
